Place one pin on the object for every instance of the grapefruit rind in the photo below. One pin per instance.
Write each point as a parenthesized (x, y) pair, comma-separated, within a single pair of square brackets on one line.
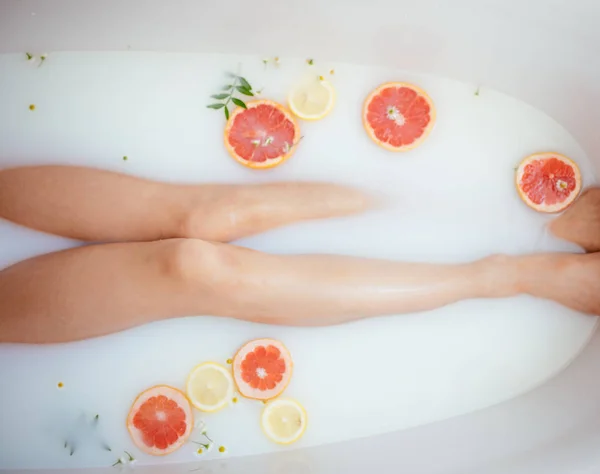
[(269, 163), (174, 394), (426, 131), (225, 399), (255, 394), (264, 423), (558, 207)]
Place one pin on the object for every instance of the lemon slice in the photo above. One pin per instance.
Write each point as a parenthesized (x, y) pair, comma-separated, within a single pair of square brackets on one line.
[(312, 100), (284, 421), (210, 386)]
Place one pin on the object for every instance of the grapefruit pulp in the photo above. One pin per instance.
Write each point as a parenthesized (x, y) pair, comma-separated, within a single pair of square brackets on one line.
[(548, 182), (262, 136), (262, 369), (160, 420), (398, 116)]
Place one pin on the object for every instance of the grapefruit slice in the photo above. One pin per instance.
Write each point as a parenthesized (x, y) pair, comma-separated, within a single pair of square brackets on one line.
[(262, 369), (398, 116), (284, 421), (210, 387), (262, 136), (548, 182), (160, 420)]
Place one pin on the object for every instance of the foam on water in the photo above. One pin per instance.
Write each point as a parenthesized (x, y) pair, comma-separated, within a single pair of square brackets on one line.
[(452, 199)]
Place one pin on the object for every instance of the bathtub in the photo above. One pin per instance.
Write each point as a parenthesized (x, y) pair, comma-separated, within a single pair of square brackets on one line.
[(542, 52)]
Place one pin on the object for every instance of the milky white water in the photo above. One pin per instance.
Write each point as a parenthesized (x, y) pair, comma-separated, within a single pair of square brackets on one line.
[(450, 200)]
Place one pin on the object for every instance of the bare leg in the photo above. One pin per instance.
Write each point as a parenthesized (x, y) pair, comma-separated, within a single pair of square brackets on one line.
[(93, 290), (101, 289), (580, 223), (95, 205), (572, 280)]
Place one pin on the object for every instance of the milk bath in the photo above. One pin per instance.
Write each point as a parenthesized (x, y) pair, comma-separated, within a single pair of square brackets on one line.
[(450, 200)]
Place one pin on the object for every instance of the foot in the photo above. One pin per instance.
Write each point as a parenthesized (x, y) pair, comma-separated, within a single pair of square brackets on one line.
[(580, 223), (571, 280)]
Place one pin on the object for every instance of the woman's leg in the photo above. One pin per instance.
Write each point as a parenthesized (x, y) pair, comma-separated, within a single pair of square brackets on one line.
[(101, 289), (580, 223), (95, 205), (572, 280)]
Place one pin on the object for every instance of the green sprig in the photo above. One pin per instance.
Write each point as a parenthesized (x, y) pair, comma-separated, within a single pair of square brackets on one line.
[(239, 85), (205, 434), (220, 96), (71, 447), (122, 460), (239, 103)]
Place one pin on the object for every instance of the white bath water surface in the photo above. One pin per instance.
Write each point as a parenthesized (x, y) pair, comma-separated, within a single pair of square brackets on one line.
[(450, 200)]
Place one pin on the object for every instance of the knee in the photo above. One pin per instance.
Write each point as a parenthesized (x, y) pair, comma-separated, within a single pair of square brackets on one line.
[(190, 260), (218, 223)]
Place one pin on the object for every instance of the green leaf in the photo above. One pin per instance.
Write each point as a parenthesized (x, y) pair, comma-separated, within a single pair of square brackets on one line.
[(228, 88), (226, 110), (215, 106), (245, 83), (239, 103), (244, 91), (220, 96)]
